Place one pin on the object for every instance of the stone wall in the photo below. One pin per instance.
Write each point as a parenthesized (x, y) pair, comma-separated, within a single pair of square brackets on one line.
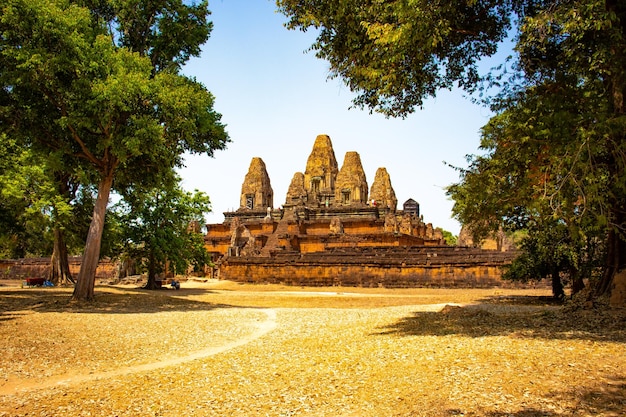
[(362, 275), (40, 268), (374, 267)]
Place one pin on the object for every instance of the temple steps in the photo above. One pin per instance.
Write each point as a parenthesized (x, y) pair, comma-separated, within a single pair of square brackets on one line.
[(273, 241)]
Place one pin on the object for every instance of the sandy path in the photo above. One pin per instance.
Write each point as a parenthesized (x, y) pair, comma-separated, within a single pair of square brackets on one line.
[(261, 329)]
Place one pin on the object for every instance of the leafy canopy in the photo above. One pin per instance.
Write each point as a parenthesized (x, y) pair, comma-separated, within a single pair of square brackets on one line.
[(98, 82), (394, 55), (86, 82)]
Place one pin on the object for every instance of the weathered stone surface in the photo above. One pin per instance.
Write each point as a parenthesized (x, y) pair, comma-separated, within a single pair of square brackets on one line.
[(256, 190), (310, 222), (391, 223), (430, 231), (406, 224), (412, 207), (242, 239), (321, 169), (382, 193), (235, 231), (40, 268), (351, 184), (375, 267), (336, 227), (296, 194), (495, 241), (465, 237)]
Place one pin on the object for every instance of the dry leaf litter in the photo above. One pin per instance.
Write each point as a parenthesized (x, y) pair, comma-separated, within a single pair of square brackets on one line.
[(222, 349)]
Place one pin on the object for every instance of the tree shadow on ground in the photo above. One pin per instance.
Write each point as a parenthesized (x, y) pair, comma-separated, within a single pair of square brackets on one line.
[(528, 300), (523, 317), (607, 398), (16, 302)]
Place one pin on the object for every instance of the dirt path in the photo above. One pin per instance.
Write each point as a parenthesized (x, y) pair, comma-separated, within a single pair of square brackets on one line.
[(261, 329)]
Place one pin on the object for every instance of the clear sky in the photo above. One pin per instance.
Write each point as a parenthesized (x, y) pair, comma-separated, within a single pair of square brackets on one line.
[(275, 99)]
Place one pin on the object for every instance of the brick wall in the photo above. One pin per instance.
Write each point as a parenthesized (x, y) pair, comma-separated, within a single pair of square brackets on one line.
[(40, 268)]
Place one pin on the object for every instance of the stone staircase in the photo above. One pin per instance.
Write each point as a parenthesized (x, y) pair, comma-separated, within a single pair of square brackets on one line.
[(273, 240)]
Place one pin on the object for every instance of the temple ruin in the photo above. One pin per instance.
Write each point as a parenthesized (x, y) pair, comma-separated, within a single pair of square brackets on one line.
[(334, 230)]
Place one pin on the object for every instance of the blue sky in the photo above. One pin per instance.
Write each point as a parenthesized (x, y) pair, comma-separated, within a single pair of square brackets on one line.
[(275, 99)]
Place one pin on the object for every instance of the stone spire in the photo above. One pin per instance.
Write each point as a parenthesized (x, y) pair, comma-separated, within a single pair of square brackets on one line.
[(256, 190), (382, 194), (296, 194), (321, 170), (351, 184)]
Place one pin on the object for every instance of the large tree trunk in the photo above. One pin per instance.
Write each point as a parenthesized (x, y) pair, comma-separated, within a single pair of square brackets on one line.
[(59, 263), (557, 285), (84, 289), (152, 272), (60, 267), (577, 280), (616, 83), (615, 255)]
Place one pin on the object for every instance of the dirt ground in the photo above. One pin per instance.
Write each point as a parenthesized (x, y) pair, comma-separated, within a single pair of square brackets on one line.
[(217, 348)]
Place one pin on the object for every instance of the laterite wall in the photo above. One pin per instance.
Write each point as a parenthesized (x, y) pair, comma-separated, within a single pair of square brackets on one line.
[(40, 268), (324, 274)]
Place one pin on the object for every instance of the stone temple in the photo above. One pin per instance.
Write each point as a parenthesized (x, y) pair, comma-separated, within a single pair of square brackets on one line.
[(324, 207), (333, 229)]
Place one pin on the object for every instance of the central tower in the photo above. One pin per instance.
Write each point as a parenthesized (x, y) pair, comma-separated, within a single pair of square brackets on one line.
[(321, 172)]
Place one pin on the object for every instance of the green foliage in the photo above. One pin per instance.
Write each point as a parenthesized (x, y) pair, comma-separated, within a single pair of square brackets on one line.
[(552, 250), (156, 226), (107, 103), (394, 55), (36, 199), (449, 237), (168, 32), (29, 203), (97, 82)]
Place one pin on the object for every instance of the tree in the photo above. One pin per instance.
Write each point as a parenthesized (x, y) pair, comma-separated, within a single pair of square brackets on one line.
[(27, 198), (449, 238), (60, 267), (157, 228), (99, 82), (534, 179), (44, 211), (10, 226), (394, 55), (550, 250), (560, 112)]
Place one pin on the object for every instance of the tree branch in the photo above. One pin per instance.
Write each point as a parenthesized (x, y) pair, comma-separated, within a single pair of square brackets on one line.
[(62, 108)]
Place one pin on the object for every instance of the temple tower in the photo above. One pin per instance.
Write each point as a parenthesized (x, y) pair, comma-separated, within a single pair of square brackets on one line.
[(411, 207), (321, 172), (256, 190), (382, 194), (296, 194), (351, 184)]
